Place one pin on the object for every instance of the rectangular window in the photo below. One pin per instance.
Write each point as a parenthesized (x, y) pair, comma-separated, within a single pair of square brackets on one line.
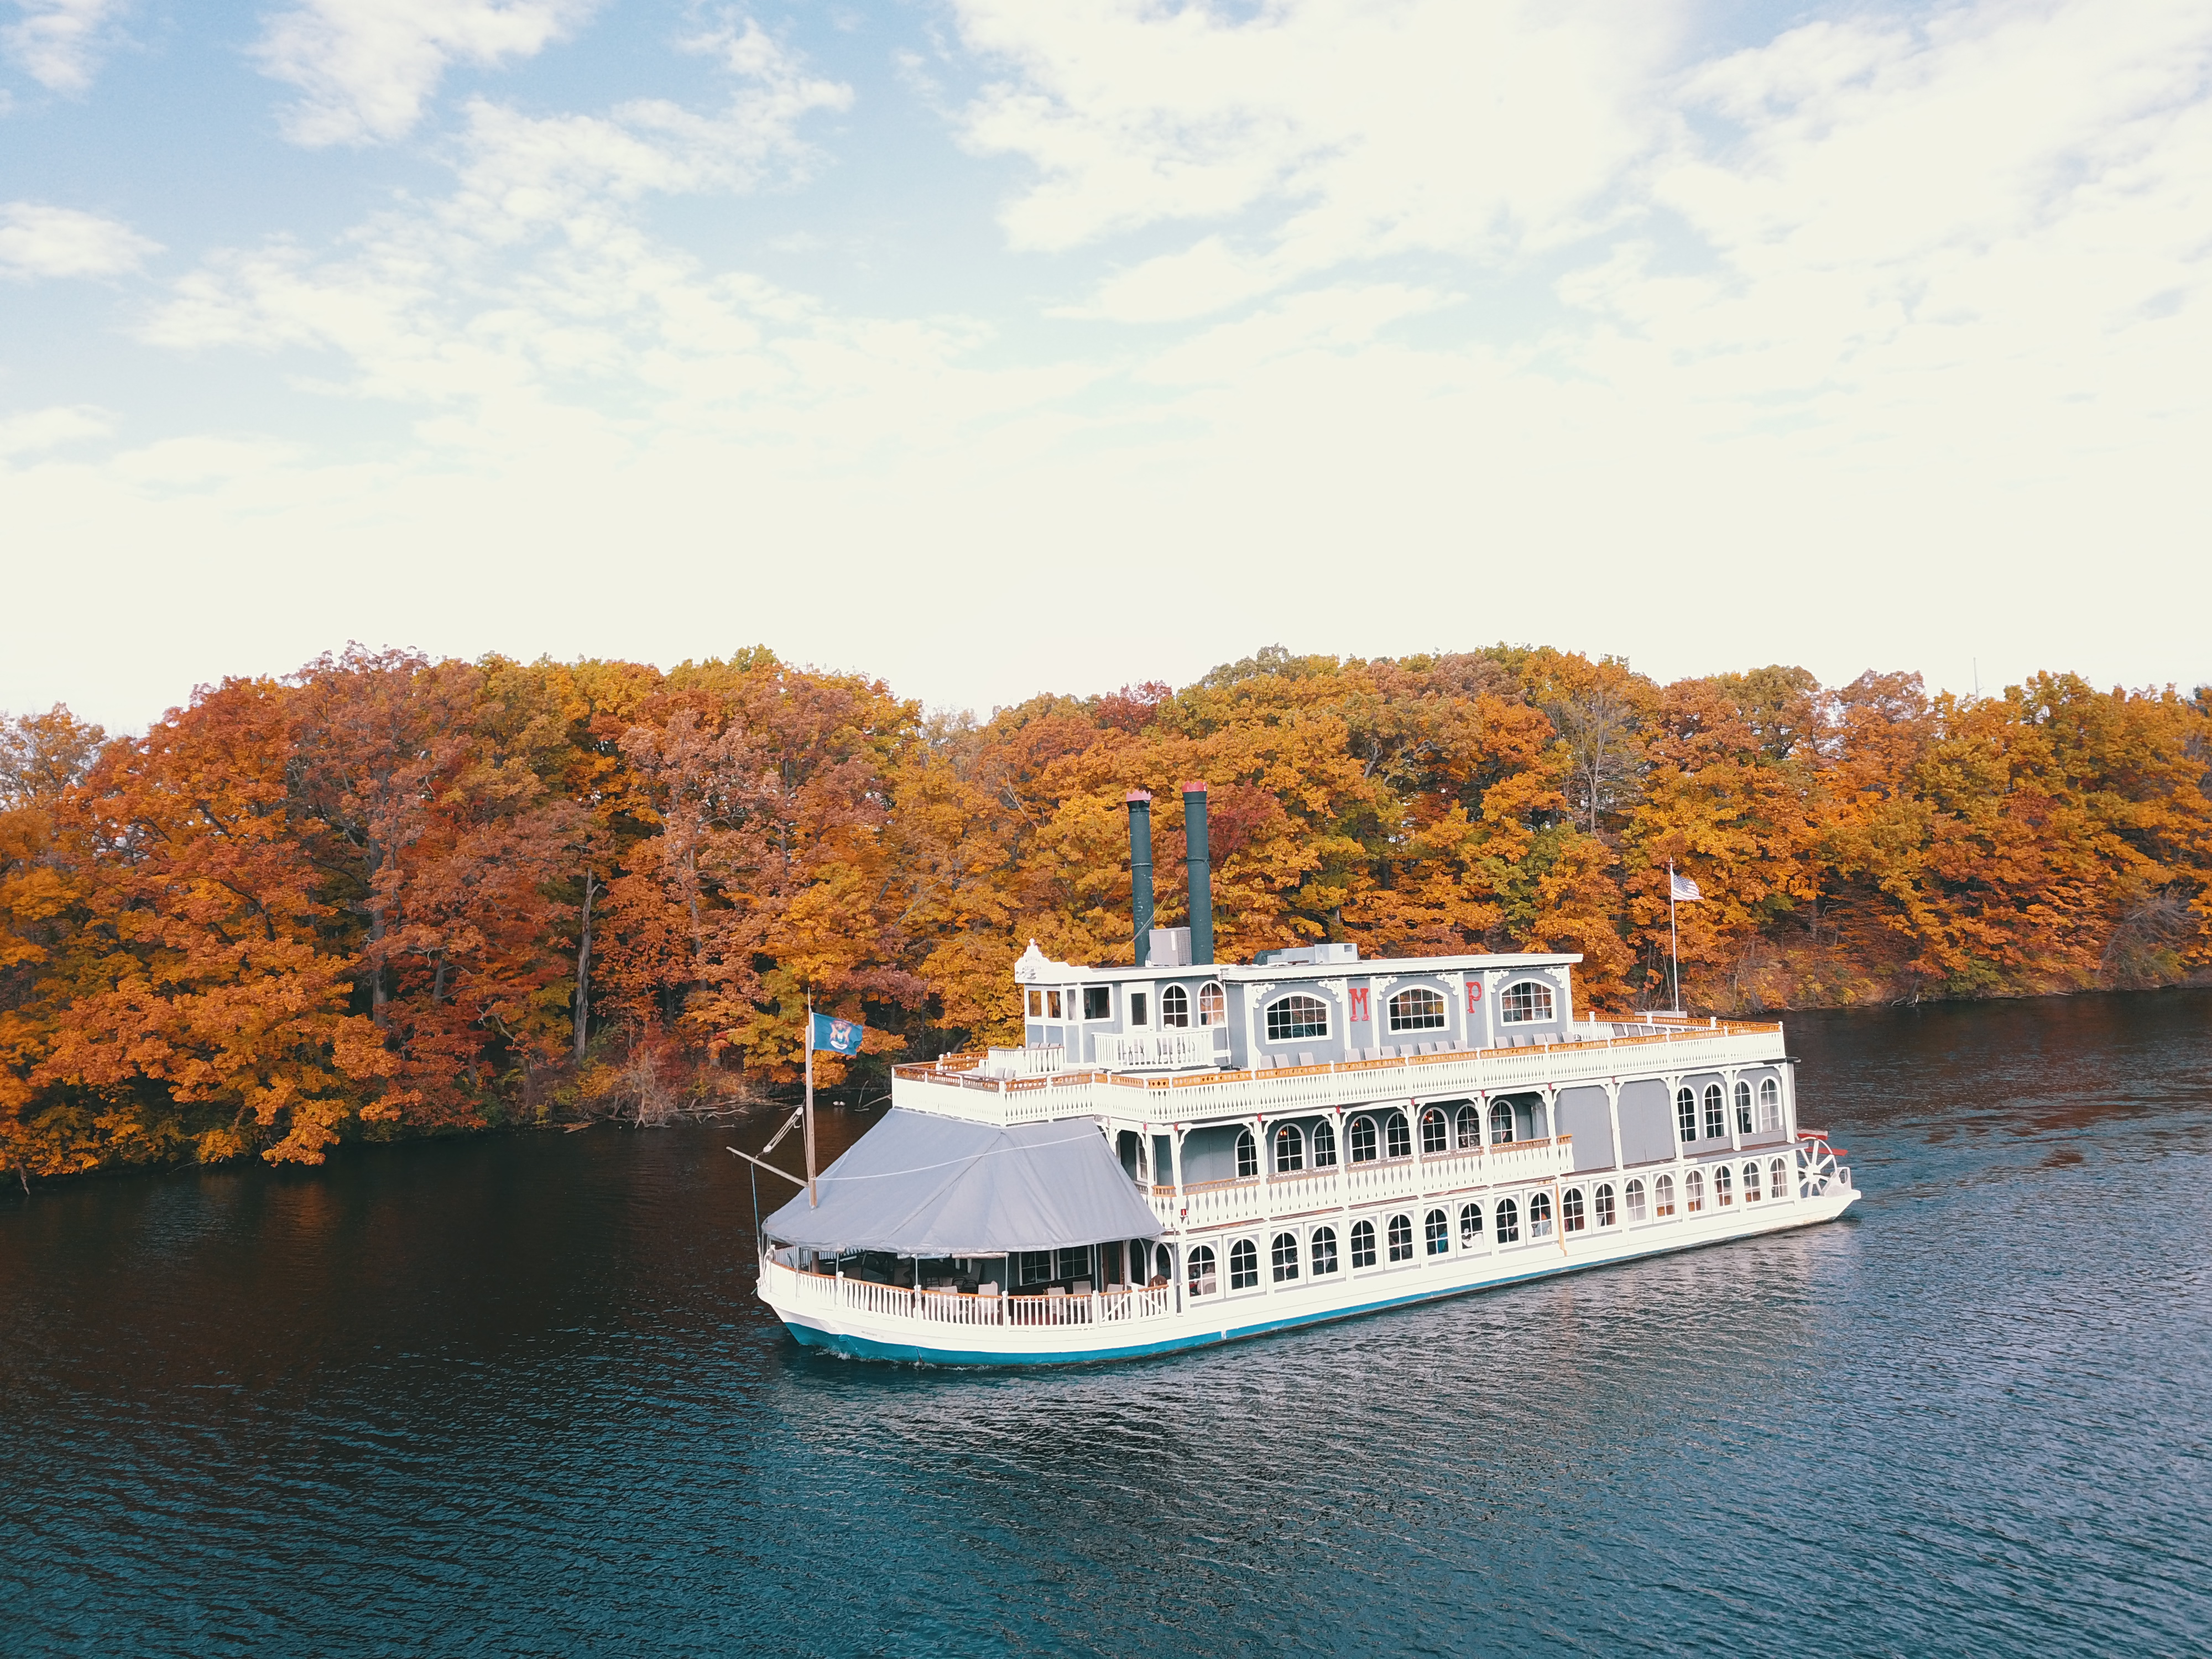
[(1074, 1263), (1098, 1002), (1037, 1005), (1136, 1010), (1036, 1267), (1052, 1004)]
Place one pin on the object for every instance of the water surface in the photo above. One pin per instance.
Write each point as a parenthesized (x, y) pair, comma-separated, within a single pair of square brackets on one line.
[(514, 1396)]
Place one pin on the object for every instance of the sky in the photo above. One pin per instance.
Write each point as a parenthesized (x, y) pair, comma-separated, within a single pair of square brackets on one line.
[(994, 347)]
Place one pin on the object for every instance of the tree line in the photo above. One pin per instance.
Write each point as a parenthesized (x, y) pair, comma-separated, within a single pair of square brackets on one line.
[(389, 895)]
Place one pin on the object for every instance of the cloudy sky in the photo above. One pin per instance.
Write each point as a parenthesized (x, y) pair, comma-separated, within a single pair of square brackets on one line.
[(992, 345)]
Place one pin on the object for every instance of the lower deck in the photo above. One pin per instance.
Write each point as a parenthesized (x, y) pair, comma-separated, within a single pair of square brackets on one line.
[(1237, 1281)]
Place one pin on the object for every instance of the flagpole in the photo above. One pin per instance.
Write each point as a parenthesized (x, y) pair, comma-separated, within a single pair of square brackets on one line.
[(811, 1201), (1673, 941)]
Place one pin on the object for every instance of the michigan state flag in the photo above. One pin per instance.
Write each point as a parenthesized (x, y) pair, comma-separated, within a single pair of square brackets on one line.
[(838, 1036)]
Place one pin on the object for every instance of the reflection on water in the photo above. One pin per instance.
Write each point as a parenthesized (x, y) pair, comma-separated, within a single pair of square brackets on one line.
[(515, 1395)]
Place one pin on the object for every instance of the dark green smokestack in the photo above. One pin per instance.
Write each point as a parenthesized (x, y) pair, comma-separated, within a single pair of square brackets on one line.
[(1201, 866), (1141, 869)]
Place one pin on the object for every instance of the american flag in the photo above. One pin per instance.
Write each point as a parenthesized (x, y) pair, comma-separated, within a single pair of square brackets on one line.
[(1683, 891)]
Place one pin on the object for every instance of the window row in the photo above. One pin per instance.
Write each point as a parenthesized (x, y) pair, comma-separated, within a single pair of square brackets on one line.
[(1441, 1133), (1602, 1206), (1714, 1119), (1293, 1018), (1096, 1002)]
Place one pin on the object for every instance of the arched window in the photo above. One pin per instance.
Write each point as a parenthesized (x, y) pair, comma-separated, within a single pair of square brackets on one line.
[(1202, 1271), (1291, 1017), (1716, 1123), (1285, 1250), (1685, 1113), (1362, 1244), (1401, 1238), (1470, 1225), (1501, 1122), (1539, 1215), (1694, 1192), (1417, 1011), (1436, 1231), (1602, 1202), (1770, 1106), (1324, 1251), (1174, 1007), (1663, 1197), (1632, 1194), (1508, 1221), (1248, 1156), (1723, 1186), (1742, 1108), (1436, 1134), (1164, 1263), (1363, 1140), (1778, 1177), (1524, 1000), (1324, 1145), (1399, 1135), (1213, 1006), (1289, 1150), (1751, 1183), (1243, 1265), (1570, 1210), (1469, 1126)]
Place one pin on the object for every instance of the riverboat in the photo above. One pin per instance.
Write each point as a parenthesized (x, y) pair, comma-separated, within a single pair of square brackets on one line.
[(1184, 1152)]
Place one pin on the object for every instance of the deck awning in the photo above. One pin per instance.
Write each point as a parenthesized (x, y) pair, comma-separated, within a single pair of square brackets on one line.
[(920, 1185)]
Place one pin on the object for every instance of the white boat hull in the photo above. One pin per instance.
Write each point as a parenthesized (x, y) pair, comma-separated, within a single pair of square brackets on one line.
[(877, 1321)]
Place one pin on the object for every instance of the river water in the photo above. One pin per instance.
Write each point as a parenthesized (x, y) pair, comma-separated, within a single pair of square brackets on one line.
[(513, 1395)]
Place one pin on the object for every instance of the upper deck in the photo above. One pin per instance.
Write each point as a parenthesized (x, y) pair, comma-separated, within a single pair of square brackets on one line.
[(1027, 1086)]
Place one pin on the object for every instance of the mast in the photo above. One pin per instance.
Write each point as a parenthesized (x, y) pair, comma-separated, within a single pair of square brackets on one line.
[(812, 1202)]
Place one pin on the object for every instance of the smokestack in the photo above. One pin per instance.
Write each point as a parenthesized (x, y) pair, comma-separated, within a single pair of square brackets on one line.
[(1141, 869), (1201, 866)]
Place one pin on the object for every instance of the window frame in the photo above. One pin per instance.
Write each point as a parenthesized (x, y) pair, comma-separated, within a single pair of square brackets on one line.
[(1174, 1008), (1396, 1133), (1248, 1156), (1604, 1213), (1526, 1014), (1324, 1144), (1292, 1028), (1372, 1141), (1203, 1264), (1506, 1221), (1571, 1216), (1469, 1116), (1662, 1199), (1723, 1187), (1435, 1114), (1244, 1264), (1289, 1137), (1401, 1236), (1742, 1092), (1539, 1216), (1693, 1193), (1362, 1244), (1752, 1192), (1435, 1009), (1715, 1102), (1321, 1250), (1436, 1233), (1212, 1004), (1685, 1113), (1283, 1256), (1501, 1127), (1100, 997), (1770, 1106), (1779, 1183), (1470, 1225)]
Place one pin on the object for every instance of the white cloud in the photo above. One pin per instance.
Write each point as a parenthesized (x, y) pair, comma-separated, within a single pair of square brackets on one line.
[(59, 43), (39, 241), (49, 428), (367, 67)]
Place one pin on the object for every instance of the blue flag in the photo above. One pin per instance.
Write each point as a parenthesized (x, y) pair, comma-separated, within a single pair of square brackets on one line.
[(838, 1036)]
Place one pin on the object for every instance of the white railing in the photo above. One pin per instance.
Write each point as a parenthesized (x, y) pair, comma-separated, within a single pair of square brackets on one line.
[(1221, 1202), (1154, 1050), (789, 1287), (1046, 1061), (1042, 1094)]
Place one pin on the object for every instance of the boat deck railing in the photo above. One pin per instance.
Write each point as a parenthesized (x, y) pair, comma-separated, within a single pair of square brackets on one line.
[(960, 1085), (1114, 1306), (1214, 1203)]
